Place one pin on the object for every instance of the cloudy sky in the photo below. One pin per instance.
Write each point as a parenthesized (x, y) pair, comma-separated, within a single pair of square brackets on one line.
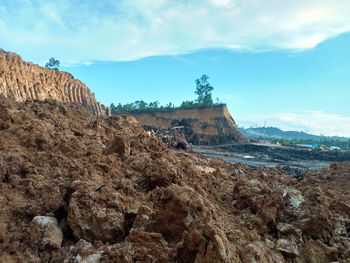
[(280, 62)]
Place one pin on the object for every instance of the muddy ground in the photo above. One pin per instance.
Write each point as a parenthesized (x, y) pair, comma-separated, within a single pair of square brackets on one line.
[(78, 188), (271, 155)]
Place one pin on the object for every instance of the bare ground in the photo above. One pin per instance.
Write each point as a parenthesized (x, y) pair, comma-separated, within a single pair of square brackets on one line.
[(80, 188)]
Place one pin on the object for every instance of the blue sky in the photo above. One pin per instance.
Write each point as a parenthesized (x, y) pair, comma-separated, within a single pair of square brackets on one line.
[(283, 63)]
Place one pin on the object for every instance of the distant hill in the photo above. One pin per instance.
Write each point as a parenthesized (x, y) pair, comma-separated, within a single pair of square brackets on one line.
[(276, 133)]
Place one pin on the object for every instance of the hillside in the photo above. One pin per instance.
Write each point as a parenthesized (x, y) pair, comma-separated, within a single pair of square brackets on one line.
[(75, 187), (206, 125), (21, 80)]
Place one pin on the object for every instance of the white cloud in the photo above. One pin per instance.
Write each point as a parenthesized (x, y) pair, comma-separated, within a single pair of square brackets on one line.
[(76, 31), (315, 122), (222, 3)]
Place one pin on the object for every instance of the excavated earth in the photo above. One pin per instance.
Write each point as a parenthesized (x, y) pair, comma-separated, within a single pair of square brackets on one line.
[(80, 188), (172, 138)]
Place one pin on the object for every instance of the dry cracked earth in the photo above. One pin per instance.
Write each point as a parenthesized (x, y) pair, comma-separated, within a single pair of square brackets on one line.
[(79, 188)]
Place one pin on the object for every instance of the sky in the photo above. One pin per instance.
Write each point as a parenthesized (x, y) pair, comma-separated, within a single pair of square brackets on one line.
[(277, 63)]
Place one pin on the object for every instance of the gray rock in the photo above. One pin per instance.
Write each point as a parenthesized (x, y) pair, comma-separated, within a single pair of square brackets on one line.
[(287, 247), (294, 197), (46, 232)]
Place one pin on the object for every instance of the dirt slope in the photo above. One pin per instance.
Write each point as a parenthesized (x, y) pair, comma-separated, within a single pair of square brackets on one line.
[(79, 188), (202, 126), (21, 80)]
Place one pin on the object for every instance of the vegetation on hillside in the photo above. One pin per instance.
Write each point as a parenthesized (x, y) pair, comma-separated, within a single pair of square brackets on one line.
[(204, 99), (53, 64)]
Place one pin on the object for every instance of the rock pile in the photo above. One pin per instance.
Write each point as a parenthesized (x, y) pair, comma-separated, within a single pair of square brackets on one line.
[(81, 188)]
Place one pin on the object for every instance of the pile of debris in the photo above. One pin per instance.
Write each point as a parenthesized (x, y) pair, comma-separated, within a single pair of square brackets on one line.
[(81, 188), (172, 137)]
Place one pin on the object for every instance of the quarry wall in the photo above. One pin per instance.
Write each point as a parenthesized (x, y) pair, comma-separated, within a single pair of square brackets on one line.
[(209, 125), (21, 81)]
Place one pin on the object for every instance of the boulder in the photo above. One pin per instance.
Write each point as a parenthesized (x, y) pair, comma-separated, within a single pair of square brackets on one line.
[(46, 233), (287, 247)]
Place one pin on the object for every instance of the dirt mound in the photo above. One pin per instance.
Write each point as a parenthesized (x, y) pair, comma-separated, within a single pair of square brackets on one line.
[(81, 188)]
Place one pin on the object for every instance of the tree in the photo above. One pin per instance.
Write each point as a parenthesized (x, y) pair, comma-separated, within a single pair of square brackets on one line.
[(53, 64), (187, 104), (203, 90), (154, 105), (113, 108), (218, 101), (170, 105), (140, 105)]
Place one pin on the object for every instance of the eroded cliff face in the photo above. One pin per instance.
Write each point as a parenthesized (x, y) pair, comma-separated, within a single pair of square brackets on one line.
[(21, 81), (210, 125)]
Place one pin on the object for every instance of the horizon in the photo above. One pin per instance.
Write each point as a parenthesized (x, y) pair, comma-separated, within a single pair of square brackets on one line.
[(271, 127), (281, 65)]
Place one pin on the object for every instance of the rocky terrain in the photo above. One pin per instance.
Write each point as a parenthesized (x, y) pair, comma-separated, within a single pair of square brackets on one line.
[(21, 80), (76, 187), (200, 126)]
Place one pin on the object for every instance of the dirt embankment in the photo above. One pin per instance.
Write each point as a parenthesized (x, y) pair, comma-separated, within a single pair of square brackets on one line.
[(202, 126), (80, 188), (21, 80)]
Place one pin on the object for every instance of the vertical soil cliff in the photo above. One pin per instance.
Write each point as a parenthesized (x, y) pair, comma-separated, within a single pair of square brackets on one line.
[(210, 125), (21, 81)]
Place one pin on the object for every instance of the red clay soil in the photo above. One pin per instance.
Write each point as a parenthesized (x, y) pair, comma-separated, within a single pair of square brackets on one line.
[(80, 188)]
